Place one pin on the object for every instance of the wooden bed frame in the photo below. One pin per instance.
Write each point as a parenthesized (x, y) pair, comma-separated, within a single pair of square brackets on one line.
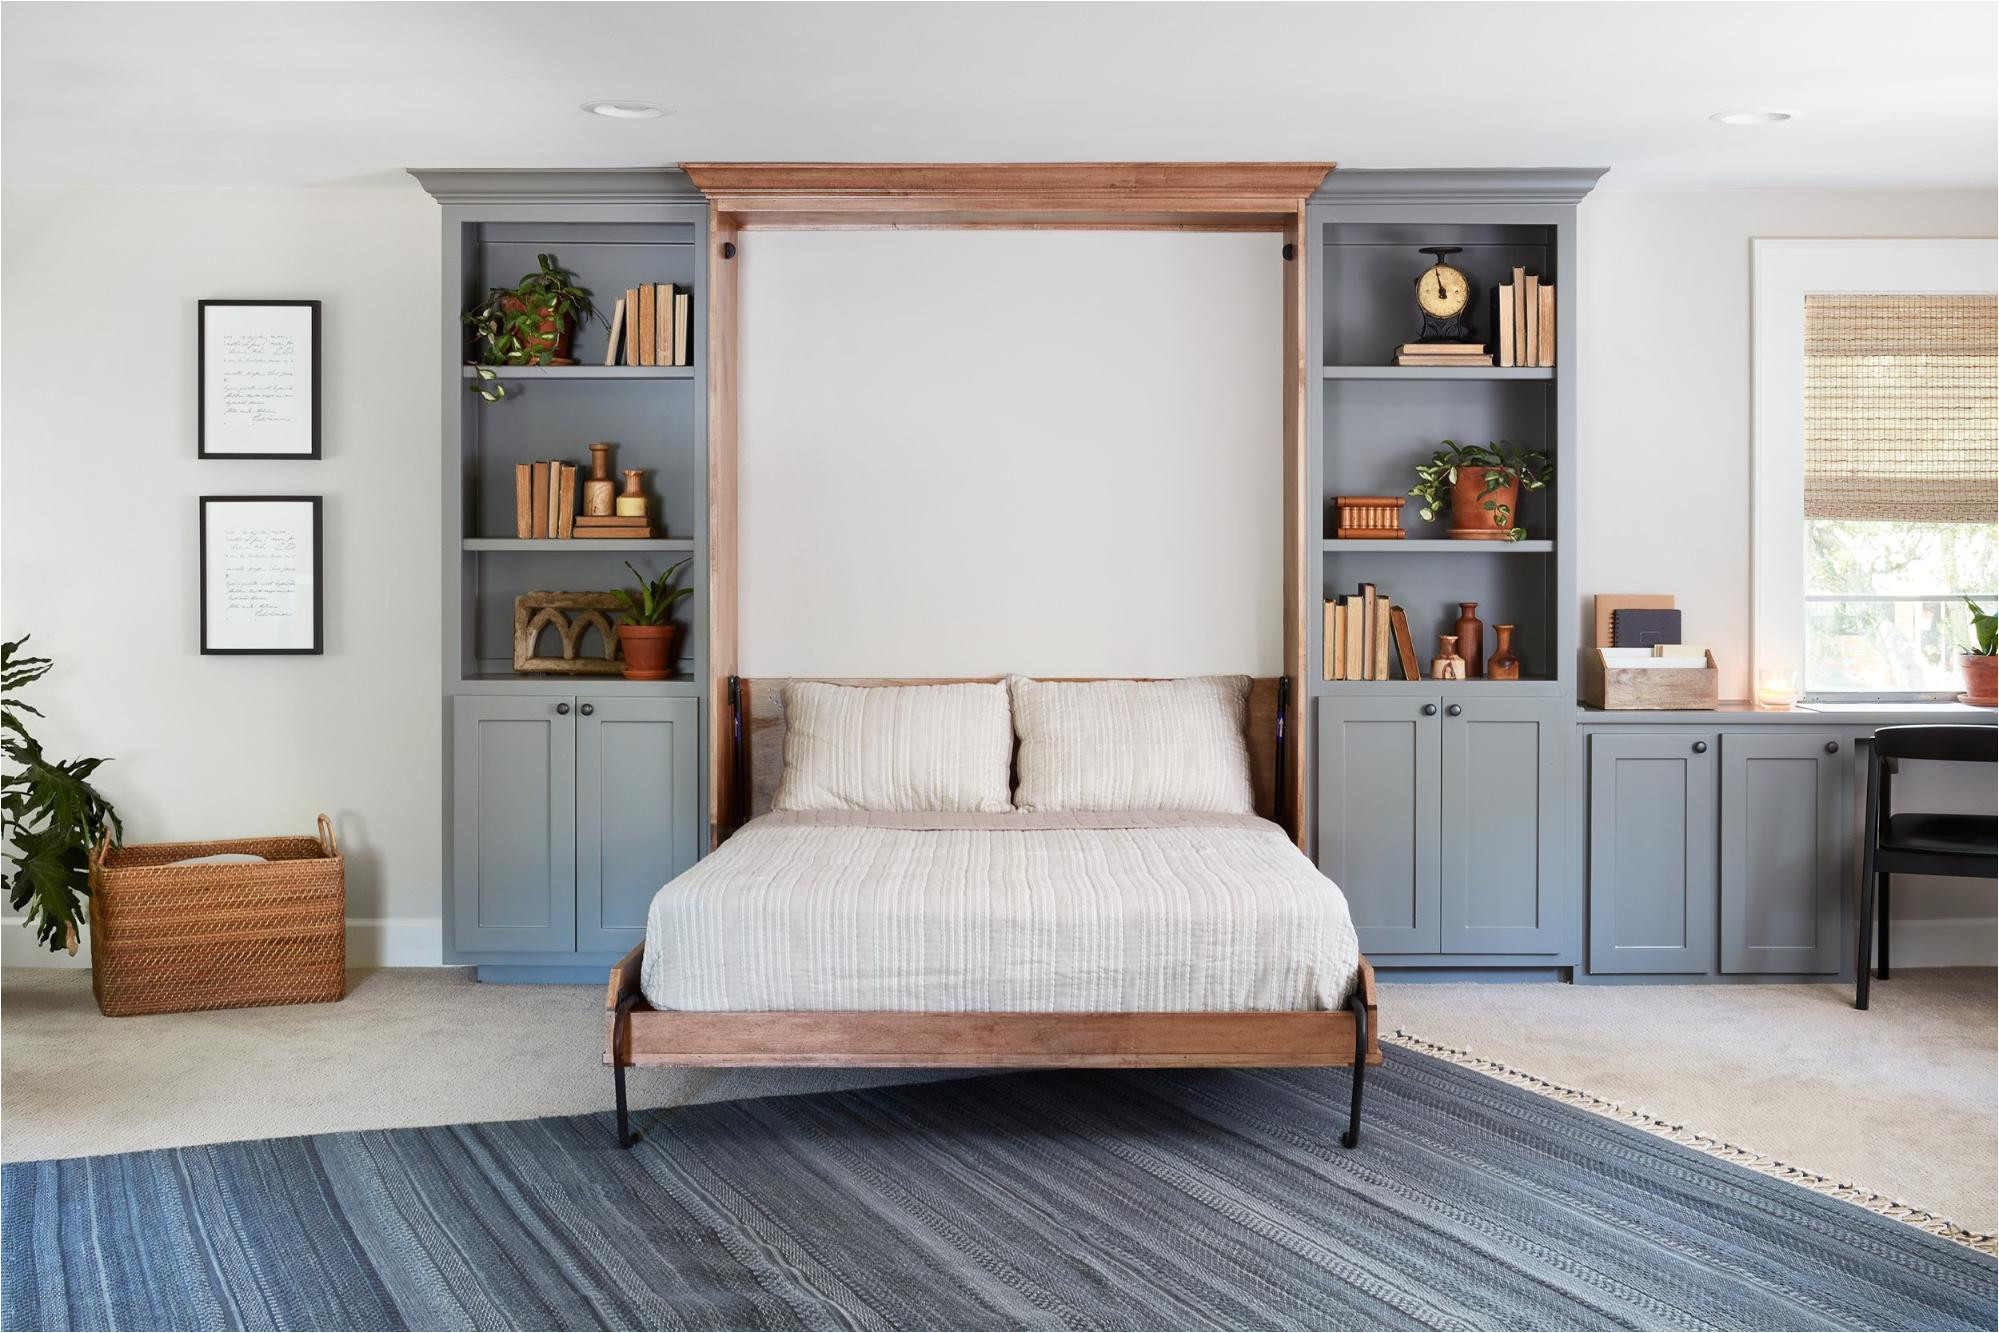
[(637, 1035)]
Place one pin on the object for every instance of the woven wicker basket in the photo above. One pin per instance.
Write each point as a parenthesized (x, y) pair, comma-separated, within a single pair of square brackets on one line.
[(168, 938)]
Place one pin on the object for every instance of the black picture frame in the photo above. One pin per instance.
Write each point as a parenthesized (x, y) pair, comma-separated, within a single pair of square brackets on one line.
[(201, 449), (316, 504)]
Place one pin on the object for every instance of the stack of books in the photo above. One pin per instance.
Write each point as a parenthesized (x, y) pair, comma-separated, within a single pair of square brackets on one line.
[(545, 507), (652, 326), (1442, 354), (1365, 634), (1524, 315)]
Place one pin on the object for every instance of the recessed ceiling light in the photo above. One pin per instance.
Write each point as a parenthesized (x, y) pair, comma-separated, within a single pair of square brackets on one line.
[(1752, 116), (622, 110)]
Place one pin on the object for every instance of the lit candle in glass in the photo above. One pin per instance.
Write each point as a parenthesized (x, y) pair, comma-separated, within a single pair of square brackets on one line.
[(1776, 688)]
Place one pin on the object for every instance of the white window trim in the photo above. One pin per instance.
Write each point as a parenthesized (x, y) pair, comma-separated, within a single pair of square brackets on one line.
[(1782, 272)]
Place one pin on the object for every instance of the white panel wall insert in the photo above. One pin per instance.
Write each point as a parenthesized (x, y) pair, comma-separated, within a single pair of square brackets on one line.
[(973, 452)]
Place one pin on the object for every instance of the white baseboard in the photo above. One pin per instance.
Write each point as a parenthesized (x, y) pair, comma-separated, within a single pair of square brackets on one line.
[(1967, 941), (371, 942)]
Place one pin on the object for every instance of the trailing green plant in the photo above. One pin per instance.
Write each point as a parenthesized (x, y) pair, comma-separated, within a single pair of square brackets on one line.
[(1529, 467), (652, 602), (1984, 631), (508, 323), (52, 816)]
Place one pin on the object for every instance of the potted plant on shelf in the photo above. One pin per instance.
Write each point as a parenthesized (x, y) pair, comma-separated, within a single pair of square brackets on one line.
[(528, 324), (1981, 660), (50, 813), (1483, 485), (645, 632)]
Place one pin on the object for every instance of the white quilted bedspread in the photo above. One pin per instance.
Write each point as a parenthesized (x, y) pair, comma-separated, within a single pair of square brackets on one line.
[(1060, 913)]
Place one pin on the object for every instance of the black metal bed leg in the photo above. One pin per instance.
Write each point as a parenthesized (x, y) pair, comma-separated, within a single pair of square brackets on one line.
[(1358, 1003), (626, 1138)]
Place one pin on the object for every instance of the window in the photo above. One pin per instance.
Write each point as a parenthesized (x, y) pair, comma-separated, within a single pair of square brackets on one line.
[(1877, 461)]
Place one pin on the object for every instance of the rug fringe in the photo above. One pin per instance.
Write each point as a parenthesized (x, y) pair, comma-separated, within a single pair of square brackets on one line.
[(1707, 1143)]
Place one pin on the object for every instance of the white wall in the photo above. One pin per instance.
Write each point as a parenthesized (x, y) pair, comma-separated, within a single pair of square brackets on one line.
[(1663, 401), (1054, 452), (98, 524)]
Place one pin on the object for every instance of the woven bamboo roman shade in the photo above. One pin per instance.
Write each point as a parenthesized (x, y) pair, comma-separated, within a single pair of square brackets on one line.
[(1901, 408)]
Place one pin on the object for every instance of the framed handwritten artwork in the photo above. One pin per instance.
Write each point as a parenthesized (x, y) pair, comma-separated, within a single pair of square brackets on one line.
[(260, 584), (259, 379)]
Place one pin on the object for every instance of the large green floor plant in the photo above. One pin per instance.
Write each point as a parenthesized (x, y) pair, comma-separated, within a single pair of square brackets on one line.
[(51, 814)]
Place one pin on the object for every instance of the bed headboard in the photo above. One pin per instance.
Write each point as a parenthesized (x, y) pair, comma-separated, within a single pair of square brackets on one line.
[(762, 747)]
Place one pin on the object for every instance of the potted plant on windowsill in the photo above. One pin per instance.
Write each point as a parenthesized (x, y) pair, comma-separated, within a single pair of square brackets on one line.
[(1482, 484), (645, 632), (1981, 660), (529, 324)]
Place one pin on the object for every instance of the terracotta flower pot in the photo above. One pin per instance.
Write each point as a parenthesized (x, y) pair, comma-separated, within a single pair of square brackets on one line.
[(554, 334), (1471, 521), (1981, 679), (648, 651)]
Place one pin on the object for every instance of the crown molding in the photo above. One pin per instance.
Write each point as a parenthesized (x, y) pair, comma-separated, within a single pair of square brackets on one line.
[(1460, 185), (572, 185), (1250, 195)]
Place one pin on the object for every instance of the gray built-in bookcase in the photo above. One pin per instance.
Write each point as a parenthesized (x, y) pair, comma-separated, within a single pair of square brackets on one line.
[(1439, 806), (568, 801)]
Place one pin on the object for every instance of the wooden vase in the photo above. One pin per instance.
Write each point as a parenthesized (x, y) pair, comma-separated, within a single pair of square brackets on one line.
[(600, 492), (632, 500), (1447, 665), (1471, 521), (1504, 665), (1471, 639)]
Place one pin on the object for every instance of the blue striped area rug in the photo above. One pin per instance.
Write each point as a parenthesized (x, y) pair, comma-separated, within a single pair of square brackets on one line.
[(1180, 1199)]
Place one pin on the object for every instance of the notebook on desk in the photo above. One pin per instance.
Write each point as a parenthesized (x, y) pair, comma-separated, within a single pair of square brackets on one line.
[(1641, 627)]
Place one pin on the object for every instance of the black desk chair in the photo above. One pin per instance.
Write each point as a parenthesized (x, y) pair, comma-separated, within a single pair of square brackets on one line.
[(1918, 844)]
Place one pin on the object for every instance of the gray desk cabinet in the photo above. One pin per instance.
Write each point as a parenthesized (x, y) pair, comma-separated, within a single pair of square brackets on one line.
[(1652, 853), (1783, 840), (637, 812), (1442, 822), (569, 813), (514, 823)]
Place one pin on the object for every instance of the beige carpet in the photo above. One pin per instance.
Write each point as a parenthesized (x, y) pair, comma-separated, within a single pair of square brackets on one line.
[(1900, 1099)]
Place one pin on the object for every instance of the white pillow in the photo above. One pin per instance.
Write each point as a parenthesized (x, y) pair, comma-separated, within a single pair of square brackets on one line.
[(1133, 744), (895, 747)]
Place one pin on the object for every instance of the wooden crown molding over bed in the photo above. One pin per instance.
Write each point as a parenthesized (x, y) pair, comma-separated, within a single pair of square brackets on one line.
[(1192, 196)]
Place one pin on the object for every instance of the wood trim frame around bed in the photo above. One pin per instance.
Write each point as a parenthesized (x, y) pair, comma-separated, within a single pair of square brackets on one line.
[(637, 1035)]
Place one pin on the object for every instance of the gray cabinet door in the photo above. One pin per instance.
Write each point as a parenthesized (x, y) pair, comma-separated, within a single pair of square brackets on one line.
[(1782, 850), (1502, 827), (1378, 817), (513, 864), (1651, 853), (637, 811)]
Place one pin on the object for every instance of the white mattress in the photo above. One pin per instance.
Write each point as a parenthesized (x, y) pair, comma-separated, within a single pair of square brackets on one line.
[(1058, 913)]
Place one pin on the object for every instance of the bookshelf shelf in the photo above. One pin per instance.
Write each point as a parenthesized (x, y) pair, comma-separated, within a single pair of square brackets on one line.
[(583, 372), (509, 682), (579, 544), (1439, 372), (1445, 546), (1534, 686)]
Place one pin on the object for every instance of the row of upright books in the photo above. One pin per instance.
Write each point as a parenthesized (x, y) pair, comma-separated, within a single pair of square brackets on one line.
[(1524, 319), (652, 326), (545, 507), (1367, 636)]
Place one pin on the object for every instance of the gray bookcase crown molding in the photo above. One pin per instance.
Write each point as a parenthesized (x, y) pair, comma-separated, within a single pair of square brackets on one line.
[(567, 185), (1460, 185)]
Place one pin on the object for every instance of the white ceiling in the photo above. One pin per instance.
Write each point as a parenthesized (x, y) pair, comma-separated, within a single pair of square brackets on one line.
[(1892, 94)]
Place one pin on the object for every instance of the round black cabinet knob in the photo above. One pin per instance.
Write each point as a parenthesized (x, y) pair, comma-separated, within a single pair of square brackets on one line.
[(1700, 747), (1455, 710), (1429, 710), (587, 709), (1832, 747), (562, 709)]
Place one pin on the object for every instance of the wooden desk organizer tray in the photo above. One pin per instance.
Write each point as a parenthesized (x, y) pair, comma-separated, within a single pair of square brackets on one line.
[(1606, 685)]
